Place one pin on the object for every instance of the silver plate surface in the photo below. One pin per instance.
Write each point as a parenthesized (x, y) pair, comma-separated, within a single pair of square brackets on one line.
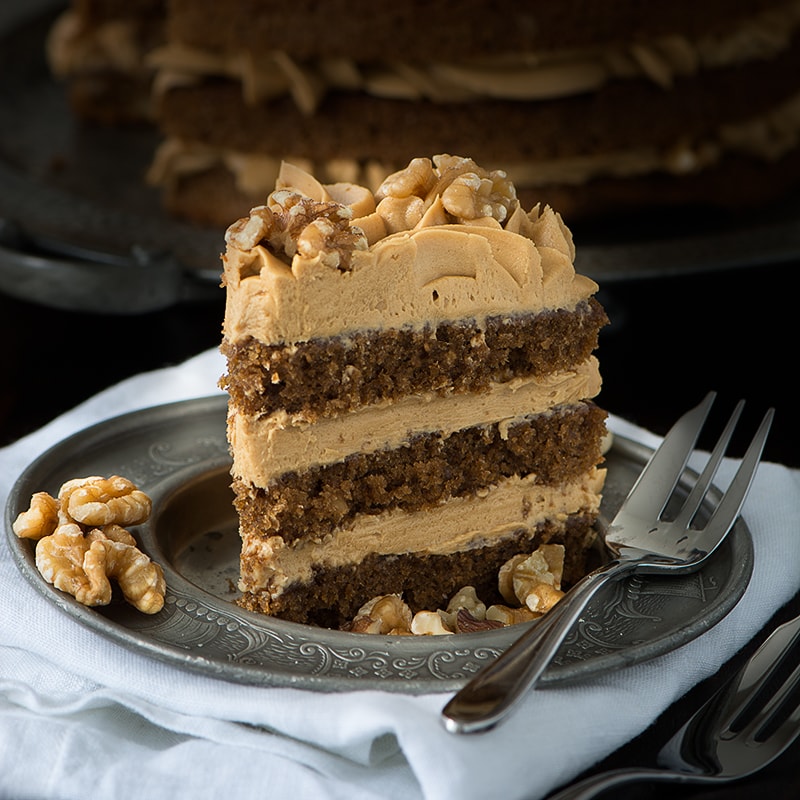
[(178, 454)]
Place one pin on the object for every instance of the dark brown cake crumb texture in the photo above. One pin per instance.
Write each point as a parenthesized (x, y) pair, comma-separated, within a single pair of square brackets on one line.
[(327, 377), (425, 582), (556, 447)]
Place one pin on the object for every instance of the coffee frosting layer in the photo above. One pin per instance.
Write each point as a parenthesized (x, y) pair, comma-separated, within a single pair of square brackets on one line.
[(456, 525), (765, 137), (414, 267), (525, 77), (267, 447)]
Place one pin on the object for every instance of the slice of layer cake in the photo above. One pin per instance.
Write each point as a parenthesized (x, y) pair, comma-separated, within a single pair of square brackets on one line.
[(411, 380)]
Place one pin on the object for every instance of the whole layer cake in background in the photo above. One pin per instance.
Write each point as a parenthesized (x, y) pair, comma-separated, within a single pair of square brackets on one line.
[(595, 108), (101, 49), (411, 375)]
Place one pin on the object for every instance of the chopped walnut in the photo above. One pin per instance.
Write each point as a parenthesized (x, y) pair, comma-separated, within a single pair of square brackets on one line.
[(536, 580), (505, 578), (383, 614), (467, 191), (428, 623), (41, 518), (417, 179), (82, 544), (507, 615), (466, 599), (292, 223), (466, 623)]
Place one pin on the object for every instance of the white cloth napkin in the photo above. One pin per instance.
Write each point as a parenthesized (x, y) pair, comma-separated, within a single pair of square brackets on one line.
[(81, 716)]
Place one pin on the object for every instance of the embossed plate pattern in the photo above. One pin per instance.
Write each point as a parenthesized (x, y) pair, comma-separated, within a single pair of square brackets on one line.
[(178, 454)]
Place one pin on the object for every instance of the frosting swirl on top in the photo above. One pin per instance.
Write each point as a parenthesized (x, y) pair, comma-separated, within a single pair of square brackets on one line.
[(438, 241)]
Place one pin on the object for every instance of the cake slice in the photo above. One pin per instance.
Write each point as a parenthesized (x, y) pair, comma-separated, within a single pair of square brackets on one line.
[(410, 378)]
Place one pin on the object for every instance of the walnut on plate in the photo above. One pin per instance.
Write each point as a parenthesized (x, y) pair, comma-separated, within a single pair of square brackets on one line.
[(533, 580), (82, 542), (529, 583), (386, 613)]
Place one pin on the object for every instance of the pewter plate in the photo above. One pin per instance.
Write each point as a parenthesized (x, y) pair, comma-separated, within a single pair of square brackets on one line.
[(178, 454)]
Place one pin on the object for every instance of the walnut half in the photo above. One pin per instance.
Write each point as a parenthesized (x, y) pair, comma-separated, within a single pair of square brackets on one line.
[(529, 583), (291, 223), (82, 544)]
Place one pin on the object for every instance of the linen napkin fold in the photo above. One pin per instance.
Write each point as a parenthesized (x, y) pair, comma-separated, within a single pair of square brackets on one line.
[(82, 716)]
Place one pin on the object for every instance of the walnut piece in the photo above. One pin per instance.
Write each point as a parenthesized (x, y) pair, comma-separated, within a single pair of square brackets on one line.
[(59, 559), (41, 518), (417, 180), (140, 579), (383, 614), (97, 501), (465, 599), (429, 623), (82, 544), (293, 223), (466, 623), (507, 615), (467, 191), (536, 579)]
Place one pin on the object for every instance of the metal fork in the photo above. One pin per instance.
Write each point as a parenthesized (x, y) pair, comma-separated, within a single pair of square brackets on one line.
[(739, 730), (641, 541)]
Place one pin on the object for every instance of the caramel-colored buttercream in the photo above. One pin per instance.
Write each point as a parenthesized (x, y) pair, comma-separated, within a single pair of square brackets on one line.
[(264, 448), (456, 525), (515, 76), (425, 271), (767, 137)]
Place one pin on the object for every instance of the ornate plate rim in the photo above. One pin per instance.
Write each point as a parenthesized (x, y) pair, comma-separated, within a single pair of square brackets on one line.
[(319, 659)]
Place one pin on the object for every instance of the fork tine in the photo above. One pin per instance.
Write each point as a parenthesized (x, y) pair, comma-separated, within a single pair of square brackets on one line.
[(763, 710), (778, 718), (730, 505), (695, 498), (658, 479)]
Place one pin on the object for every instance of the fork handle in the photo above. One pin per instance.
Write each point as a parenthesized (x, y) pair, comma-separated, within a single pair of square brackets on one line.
[(491, 694)]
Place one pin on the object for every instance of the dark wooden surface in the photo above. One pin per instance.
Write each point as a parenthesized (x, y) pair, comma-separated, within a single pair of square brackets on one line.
[(671, 340)]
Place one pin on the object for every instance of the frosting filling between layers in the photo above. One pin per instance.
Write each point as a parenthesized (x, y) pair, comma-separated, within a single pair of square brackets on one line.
[(270, 446), (521, 77), (456, 525), (254, 173)]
